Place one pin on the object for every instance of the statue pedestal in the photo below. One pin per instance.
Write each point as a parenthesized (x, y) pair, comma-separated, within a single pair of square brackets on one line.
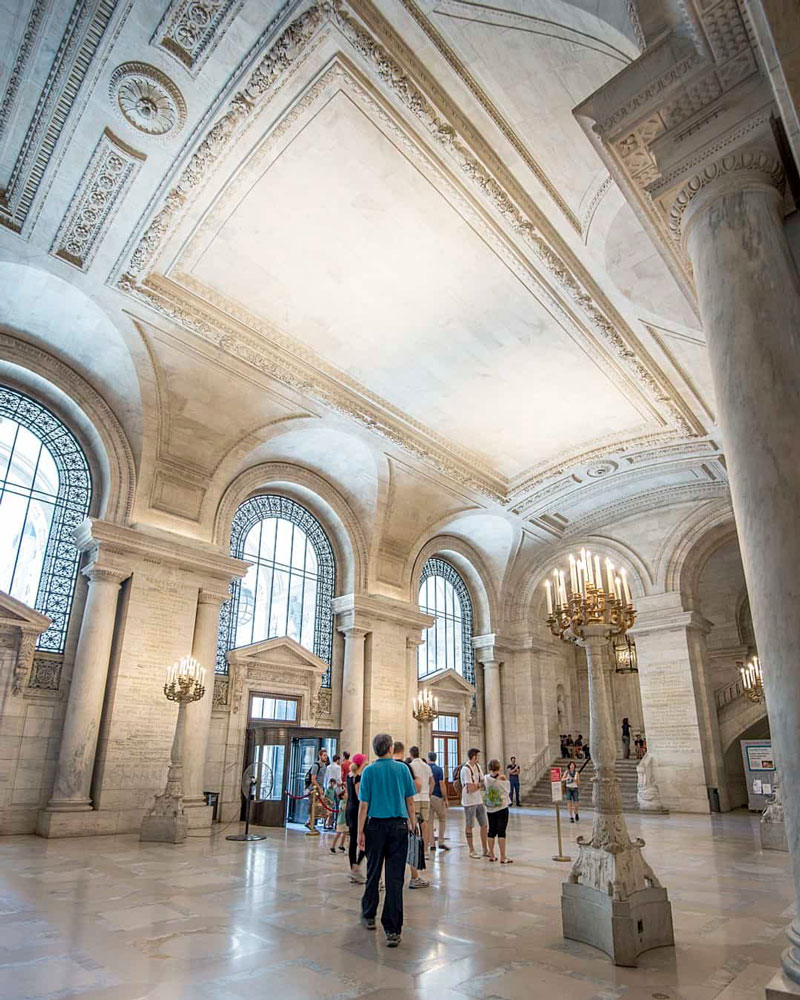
[(613, 902)]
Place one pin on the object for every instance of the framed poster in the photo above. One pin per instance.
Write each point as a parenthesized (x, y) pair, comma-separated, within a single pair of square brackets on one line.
[(759, 757), (555, 784)]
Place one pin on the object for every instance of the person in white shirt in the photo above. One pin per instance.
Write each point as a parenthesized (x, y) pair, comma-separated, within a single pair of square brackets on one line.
[(471, 778), (423, 777), (497, 798), (334, 771)]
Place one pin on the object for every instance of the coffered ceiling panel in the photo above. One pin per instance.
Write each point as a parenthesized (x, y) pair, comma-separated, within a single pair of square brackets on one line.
[(345, 246)]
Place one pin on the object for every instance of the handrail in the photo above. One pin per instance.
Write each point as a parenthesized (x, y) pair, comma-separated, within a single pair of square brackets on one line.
[(538, 764), (729, 693)]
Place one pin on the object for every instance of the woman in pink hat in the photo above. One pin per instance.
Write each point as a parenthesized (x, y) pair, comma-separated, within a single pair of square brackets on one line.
[(351, 813)]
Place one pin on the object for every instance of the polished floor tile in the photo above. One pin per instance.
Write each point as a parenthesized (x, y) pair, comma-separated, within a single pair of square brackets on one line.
[(112, 919)]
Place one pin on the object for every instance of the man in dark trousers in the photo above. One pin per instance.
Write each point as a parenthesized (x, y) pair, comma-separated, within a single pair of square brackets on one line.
[(512, 771), (386, 814)]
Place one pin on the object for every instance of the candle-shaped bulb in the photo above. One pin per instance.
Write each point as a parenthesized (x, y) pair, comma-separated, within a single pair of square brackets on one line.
[(549, 593)]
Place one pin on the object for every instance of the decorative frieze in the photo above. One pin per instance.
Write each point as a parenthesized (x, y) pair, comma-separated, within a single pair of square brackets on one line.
[(84, 32), (220, 695), (190, 29), (110, 172), (147, 99), (18, 71)]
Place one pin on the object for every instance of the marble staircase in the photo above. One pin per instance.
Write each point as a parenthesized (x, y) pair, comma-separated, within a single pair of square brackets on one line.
[(626, 772)]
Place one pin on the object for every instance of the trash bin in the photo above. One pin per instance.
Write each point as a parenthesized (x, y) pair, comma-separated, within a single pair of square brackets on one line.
[(212, 799)]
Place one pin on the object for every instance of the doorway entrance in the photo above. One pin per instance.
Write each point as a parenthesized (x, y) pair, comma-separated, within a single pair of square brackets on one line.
[(447, 746), (288, 752)]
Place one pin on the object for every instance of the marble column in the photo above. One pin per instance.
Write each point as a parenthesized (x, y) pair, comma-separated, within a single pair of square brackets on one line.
[(198, 713), (493, 710), (731, 223), (612, 899), (413, 729), (352, 738), (71, 791)]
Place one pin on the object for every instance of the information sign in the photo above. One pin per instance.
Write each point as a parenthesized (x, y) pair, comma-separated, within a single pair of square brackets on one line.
[(555, 784)]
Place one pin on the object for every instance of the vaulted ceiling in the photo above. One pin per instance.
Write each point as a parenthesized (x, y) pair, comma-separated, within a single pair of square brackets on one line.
[(380, 216)]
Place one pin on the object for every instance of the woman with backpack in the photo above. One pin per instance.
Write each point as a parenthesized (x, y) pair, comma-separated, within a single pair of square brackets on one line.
[(496, 798)]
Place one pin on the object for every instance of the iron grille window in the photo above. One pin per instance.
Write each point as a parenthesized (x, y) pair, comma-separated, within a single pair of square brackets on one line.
[(447, 644), (289, 587), (45, 492)]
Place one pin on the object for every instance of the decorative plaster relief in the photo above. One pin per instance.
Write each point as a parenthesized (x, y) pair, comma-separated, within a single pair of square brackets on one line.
[(111, 170), (190, 29), (46, 672), (19, 70), (80, 42), (147, 99), (220, 694)]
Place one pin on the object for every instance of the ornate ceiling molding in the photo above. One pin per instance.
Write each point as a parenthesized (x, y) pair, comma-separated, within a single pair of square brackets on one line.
[(647, 501), (572, 301), (107, 178), (190, 29), (491, 110), (27, 44), (80, 42)]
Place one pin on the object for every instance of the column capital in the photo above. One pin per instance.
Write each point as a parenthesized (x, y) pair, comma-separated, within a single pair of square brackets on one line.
[(737, 170), (212, 597), (97, 573), (353, 632)]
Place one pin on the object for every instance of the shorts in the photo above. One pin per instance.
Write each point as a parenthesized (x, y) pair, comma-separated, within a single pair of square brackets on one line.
[(498, 821), (572, 794), (423, 811), (475, 815)]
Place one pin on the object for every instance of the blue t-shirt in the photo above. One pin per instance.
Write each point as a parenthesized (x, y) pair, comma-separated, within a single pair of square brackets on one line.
[(438, 775), (386, 784)]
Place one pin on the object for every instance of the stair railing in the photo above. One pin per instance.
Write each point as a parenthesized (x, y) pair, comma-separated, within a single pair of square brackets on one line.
[(730, 692), (537, 766)]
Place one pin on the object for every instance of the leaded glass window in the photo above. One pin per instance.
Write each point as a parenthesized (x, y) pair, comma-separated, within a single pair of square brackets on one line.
[(447, 644), (289, 587), (45, 492)]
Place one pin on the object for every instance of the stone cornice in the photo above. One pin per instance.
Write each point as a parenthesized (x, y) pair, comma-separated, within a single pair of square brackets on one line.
[(116, 546), (359, 610)]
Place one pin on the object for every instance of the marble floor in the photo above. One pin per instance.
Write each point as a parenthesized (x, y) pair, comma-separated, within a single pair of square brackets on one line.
[(112, 919)]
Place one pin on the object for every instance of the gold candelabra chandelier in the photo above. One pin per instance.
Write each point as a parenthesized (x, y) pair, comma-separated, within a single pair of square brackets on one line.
[(592, 599), (185, 680), (425, 707), (752, 678)]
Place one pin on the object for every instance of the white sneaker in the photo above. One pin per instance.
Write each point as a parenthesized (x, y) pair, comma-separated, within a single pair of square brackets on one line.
[(474, 854), (358, 878), (418, 883)]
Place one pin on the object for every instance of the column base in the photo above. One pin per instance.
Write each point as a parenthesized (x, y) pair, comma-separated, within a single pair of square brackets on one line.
[(53, 823), (622, 928), (166, 822), (781, 986)]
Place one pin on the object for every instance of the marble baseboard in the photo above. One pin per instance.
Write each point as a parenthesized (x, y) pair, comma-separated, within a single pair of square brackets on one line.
[(52, 823)]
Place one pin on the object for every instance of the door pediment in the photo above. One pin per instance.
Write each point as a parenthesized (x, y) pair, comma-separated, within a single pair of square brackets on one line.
[(280, 652)]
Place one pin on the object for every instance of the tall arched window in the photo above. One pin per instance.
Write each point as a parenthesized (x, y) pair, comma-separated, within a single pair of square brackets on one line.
[(448, 642), (45, 492), (289, 587)]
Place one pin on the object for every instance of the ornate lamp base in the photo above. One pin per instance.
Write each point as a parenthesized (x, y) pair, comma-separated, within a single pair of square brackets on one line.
[(614, 902), (166, 822)]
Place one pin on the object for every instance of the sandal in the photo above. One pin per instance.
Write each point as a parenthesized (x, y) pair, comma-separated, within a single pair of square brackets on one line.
[(492, 859), (507, 861)]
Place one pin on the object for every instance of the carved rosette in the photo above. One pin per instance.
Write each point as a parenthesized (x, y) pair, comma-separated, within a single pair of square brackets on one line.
[(147, 99)]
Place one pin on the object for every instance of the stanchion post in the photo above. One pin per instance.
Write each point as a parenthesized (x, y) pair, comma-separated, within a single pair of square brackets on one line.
[(312, 817), (555, 789)]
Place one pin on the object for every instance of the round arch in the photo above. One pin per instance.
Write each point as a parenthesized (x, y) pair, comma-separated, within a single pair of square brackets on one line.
[(472, 570), (319, 497), (50, 382), (689, 548)]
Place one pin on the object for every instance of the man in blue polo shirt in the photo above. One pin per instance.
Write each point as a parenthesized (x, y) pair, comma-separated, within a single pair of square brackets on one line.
[(386, 814)]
